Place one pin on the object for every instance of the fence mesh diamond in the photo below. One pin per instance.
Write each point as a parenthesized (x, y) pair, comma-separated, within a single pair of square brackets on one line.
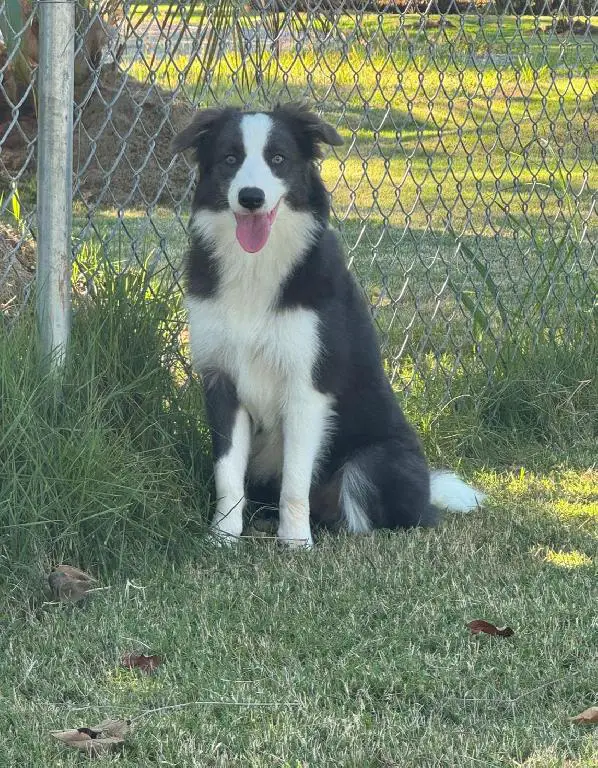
[(465, 192)]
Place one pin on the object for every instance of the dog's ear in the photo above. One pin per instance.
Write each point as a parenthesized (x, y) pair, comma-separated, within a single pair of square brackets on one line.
[(202, 123), (310, 124)]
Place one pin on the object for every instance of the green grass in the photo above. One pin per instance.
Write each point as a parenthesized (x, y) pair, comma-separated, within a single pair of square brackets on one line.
[(117, 456), (356, 654)]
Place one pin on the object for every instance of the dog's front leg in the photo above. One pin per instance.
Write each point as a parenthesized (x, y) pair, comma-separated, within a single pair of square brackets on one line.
[(304, 429), (230, 426)]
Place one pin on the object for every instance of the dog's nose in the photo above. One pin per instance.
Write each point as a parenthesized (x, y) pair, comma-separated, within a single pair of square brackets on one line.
[(251, 198)]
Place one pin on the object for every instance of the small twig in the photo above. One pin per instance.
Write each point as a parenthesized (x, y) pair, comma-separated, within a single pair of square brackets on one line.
[(170, 707), (71, 602), (544, 685), (513, 701)]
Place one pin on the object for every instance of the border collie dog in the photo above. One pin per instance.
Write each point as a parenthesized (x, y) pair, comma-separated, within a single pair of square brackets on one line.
[(301, 413)]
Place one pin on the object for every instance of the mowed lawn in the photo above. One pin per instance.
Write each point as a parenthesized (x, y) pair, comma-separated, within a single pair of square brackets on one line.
[(356, 654)]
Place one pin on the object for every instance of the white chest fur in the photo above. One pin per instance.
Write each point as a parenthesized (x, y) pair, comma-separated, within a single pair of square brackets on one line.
[(268, 354)]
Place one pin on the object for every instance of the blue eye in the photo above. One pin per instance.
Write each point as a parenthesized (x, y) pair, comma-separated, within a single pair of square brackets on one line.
[(277, 159), (230, 160)]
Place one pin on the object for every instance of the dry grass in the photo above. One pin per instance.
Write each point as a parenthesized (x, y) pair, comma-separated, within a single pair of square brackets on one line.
[(17, 267)]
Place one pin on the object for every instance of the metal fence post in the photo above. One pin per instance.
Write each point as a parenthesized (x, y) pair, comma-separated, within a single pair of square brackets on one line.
[(54, 177)]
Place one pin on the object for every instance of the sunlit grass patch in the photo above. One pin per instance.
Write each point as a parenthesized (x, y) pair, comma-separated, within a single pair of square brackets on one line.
[(583, 509), (573, 559), (361, 645), (560, 486), (123, 681)]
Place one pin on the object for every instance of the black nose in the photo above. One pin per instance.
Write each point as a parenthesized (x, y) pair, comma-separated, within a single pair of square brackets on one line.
[(251, 198)]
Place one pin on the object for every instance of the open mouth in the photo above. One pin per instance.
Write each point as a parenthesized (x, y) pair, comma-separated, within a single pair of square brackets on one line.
[(253, 229)]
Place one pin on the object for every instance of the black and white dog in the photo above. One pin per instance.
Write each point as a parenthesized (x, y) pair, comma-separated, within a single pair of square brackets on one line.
[(300, 410)]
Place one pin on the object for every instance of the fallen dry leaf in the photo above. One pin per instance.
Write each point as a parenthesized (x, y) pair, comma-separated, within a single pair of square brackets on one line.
[(115, 728), (147, 664), (104, 737), (89, 740), (479, 625), (587, 716), (69, 584)]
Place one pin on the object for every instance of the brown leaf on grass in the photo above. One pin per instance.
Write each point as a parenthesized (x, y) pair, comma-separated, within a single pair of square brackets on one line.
[(479, 625), (116, 728), (147, 664), (69, 584), (90, 740), (587, 716)]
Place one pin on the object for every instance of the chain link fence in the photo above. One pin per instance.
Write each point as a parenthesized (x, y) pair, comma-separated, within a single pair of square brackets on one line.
[(465, 193)]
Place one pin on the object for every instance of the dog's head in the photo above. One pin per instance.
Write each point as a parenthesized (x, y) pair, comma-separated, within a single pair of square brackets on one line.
[(252, 163)]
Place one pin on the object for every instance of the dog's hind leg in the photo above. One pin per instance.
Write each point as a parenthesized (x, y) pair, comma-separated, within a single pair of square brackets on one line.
[(382, 486)]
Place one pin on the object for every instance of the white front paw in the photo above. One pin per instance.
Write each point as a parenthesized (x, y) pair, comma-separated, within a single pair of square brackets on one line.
[(295, 539), (227, 526), (294, 529)]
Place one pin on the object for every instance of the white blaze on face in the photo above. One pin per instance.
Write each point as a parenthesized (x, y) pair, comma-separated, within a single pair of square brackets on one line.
[(253, 228)]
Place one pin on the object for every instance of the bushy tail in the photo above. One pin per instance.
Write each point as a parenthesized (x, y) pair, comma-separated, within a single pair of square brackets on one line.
[(448, 491)]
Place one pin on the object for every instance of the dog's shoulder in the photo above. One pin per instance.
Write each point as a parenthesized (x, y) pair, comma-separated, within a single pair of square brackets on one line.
[(319, 277), (202, 270)]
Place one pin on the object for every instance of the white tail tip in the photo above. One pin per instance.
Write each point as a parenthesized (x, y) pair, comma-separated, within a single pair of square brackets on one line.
[(448, 491)]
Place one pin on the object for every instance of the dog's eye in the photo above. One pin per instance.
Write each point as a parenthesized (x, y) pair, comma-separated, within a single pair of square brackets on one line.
[(230, 159), (277, 159)]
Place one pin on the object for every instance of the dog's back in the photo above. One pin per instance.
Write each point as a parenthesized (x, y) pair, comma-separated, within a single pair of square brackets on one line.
[(296, 395)]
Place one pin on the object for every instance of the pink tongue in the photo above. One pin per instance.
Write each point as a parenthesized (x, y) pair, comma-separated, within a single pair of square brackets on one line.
[(253, 230)]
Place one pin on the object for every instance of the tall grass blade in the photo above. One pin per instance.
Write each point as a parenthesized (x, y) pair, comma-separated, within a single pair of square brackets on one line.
[(484, 271)]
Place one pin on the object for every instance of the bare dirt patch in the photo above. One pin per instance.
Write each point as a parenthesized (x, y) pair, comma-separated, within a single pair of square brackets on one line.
[(126, 128), (121, 146)]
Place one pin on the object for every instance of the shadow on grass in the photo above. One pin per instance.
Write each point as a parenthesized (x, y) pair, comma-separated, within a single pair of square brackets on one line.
[(116, 461), (482, 350), (117, 467)]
